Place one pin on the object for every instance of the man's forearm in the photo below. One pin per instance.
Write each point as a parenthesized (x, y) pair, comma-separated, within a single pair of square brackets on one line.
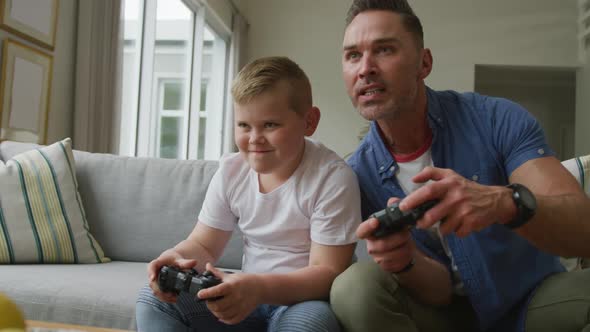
[(428, 280), (561, 225)]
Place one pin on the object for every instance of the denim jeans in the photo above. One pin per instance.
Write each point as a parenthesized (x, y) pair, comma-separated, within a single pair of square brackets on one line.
[(188, 314)]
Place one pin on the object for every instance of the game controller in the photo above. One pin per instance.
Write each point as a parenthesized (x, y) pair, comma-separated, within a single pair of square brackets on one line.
[(392, 219), (174, 280)]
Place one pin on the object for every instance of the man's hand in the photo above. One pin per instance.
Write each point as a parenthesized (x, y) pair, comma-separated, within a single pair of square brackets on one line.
[(239, 296), (392, 252), (465, 206), (168, 257)]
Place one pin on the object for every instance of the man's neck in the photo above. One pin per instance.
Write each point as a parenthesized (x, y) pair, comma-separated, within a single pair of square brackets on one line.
[(408, 131)]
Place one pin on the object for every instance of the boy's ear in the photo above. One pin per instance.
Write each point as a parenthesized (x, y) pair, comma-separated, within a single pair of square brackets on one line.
[(312, 119)]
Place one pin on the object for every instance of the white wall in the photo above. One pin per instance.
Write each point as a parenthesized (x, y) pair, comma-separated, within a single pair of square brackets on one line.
[(549, 94), (461, 33), (62, 87)]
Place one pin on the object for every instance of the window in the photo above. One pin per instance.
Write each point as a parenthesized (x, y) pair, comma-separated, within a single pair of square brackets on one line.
[(174, 81)]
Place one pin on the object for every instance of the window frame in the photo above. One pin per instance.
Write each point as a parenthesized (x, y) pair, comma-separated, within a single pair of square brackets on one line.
[(147, 127)]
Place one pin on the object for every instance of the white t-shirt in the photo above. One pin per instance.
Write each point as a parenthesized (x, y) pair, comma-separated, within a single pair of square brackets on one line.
[(320, 202)]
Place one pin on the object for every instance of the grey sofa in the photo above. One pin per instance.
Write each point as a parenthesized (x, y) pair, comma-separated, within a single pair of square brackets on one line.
[(136, 208)]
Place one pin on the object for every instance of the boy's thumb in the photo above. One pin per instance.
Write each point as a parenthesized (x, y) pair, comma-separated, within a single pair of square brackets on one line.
[(212, 269), (186, 263)]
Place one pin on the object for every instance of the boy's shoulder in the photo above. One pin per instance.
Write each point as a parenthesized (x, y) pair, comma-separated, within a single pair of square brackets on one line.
[(233, 164), (319, 153), (322, 162)]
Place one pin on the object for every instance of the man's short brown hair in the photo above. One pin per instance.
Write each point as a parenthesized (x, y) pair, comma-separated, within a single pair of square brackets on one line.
[(264, 74), (410, 20)]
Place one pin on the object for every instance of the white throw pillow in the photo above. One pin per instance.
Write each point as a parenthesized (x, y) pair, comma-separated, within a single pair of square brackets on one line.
[(580, 169), (42, 219)]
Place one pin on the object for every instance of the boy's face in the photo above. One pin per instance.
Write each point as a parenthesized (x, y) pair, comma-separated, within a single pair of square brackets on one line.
[(269, 134)]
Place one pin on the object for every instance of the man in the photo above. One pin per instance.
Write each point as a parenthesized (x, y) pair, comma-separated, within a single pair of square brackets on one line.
[(479, 259)]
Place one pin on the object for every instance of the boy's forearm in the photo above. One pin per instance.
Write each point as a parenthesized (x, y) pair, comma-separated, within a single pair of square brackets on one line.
[(309, 283), (190, 249)]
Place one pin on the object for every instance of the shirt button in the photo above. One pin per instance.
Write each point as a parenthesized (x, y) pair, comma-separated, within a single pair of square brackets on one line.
[(392, 168), (541, 151), (475, 177), (381, 168)]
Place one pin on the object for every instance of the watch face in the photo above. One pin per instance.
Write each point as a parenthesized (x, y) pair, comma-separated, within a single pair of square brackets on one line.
[(527, 198)]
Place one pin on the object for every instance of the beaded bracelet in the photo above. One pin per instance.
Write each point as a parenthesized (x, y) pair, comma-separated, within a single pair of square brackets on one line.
[(407, 267)]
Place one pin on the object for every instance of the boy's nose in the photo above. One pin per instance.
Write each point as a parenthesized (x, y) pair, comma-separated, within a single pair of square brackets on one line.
[(256, 138)]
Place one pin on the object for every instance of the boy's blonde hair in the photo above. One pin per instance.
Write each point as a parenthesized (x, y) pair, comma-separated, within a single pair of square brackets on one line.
[(263, 74)]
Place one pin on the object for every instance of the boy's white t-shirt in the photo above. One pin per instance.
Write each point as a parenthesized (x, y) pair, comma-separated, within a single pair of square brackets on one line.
[(320, 202)]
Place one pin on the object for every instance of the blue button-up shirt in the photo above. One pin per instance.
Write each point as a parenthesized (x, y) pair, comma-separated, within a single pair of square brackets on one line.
[(483, 139)]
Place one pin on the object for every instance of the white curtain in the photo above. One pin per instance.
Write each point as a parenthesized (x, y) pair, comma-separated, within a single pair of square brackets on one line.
[(98, 71), (237, 53)]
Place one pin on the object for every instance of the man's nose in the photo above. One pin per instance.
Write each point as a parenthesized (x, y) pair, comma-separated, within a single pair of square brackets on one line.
[(368, 66)]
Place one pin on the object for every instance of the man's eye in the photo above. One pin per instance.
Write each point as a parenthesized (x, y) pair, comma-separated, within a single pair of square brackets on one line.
[(385, 49), (243, 125), (270, 125), (352, 55)]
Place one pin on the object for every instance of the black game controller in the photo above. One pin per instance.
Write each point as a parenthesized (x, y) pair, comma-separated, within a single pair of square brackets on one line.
[(392, 219), (174, 280)]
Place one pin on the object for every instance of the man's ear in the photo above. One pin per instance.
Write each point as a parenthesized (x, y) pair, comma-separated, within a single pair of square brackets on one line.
[(312, 119), (425, 64)]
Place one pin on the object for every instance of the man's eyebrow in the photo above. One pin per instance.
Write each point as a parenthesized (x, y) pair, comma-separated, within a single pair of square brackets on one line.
[(385, 40)]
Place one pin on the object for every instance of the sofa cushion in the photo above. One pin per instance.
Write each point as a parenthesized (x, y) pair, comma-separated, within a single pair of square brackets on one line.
[(42, 219), (95, 295), (580, 169), (138, 207)]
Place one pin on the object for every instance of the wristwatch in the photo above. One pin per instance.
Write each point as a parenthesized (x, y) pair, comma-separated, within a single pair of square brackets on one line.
[(526, 205)]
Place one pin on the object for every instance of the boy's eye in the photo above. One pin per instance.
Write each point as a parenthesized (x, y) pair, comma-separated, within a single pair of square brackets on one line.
[(243, 125), (271, 125)]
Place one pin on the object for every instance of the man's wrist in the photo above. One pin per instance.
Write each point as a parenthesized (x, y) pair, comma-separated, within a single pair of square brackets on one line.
[(525, 203), (406, 268)]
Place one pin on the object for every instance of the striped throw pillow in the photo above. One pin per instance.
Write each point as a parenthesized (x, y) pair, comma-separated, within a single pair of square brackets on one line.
[(42, 219)]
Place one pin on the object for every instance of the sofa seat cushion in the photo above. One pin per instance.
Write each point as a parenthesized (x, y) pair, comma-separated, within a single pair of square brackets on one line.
[(96, 295), (42, 219)]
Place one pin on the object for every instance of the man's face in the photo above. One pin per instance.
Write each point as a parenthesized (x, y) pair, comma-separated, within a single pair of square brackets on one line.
[(268, 133), (381, 65)]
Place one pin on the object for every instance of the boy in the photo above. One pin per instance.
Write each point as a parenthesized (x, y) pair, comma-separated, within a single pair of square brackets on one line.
[(296, 202)]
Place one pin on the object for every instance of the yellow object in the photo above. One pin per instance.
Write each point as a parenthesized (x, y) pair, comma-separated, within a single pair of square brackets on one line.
[(11, 318)]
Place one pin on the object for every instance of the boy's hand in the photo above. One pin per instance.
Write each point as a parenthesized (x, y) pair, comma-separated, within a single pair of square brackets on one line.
[(168, 257), (239, 296)]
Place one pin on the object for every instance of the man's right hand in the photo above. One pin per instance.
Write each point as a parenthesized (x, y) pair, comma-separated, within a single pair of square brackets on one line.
[(393, 252), (168, 257)]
